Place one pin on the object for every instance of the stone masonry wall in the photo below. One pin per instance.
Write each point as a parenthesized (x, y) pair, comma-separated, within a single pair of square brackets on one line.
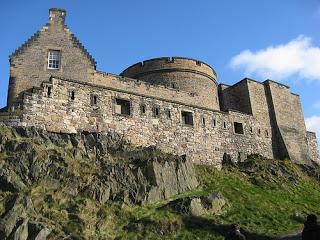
[(313, 147), (236, 97), (185, 74), (290, 122), (28, 65), (207, 141)]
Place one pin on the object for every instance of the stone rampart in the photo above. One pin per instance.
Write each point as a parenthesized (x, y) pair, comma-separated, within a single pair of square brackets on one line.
[(211, 136)]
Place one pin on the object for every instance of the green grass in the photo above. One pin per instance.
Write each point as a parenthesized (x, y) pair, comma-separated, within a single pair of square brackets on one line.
[(261, 195), (264, 209), (267, 207)]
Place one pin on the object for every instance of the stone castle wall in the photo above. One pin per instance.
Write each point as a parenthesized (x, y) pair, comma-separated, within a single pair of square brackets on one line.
[(207, 141), (313, 147), (228, 121)]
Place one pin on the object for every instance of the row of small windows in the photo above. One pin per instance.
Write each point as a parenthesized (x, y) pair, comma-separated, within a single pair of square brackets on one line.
[(123, 107)]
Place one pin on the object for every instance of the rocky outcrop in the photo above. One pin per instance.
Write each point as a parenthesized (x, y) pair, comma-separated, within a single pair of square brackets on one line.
[(212, 204), (16, 224), (100, 166)]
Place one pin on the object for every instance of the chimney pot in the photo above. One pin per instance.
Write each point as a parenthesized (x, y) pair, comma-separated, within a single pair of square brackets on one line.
[(57, 16)]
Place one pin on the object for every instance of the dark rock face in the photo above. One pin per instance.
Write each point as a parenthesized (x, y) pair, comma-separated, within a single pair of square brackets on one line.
[(100, 166), (15, 224)]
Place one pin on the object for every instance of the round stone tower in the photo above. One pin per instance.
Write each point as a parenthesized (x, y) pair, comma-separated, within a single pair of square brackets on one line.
[(184, 74)]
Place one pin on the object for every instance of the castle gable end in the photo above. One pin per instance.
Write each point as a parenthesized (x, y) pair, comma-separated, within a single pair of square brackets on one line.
[(31, 64)]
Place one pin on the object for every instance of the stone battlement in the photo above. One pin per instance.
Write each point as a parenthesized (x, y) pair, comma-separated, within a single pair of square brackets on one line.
[(169, 64)]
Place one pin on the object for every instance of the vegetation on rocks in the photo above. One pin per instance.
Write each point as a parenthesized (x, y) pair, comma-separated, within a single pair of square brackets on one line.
[(90, 186)]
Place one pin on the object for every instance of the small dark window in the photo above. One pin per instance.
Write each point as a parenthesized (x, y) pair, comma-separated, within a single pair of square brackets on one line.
[(173, 85), (251, 129), (168, 114), (214, 122), (49, 91), (72, 95), (267, 133), (238, 127), (259, 131), (94, 100), (156, 111), (203, 121), (224, 125), (142, 109), (187, 118), (122, 107)]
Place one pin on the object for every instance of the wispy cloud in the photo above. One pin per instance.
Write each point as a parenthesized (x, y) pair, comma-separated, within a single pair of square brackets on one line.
[(297, 57)]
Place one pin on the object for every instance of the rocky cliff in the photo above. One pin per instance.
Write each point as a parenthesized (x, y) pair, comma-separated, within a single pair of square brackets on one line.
[(38, 169)]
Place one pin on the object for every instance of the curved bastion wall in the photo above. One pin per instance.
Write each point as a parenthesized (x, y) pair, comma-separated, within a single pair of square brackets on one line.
[(186, 74)]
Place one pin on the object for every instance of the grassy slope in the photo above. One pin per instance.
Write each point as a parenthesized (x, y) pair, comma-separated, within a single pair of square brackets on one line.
[(263, 209)]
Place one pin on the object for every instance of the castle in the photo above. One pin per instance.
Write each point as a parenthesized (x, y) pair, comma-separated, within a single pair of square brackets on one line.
[(173, 103)]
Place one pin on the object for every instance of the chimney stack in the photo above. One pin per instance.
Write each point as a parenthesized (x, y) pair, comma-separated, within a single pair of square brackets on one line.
[(57, 16)]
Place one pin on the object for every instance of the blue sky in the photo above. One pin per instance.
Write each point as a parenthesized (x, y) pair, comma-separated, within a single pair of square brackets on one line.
[(278, 39)]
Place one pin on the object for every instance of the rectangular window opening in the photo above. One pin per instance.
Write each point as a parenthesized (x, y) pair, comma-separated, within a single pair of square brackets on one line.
[(49, 91), (169, 114), (214, 122), (224, 125), (72, 95), (156, 111), (187, 118), (122, 107), (54, 59), (94, 100), (142, 109), (238, 127), (203, 120)]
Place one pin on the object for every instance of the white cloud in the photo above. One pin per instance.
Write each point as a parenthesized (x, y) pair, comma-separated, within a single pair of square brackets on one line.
[(313, 125), (297, 57)]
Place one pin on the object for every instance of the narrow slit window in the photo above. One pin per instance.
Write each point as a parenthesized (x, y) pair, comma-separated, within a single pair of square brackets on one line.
[(122, 107), (94, 100), (214, 122), (142, 109), (72, 95), (187, 118), (49, 91), (156, 111), (238, 127), (169, 114), (203, 121), (224, 125), (54, 59)]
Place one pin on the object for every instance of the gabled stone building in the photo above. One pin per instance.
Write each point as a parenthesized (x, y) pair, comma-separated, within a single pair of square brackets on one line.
[(174, 103)]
